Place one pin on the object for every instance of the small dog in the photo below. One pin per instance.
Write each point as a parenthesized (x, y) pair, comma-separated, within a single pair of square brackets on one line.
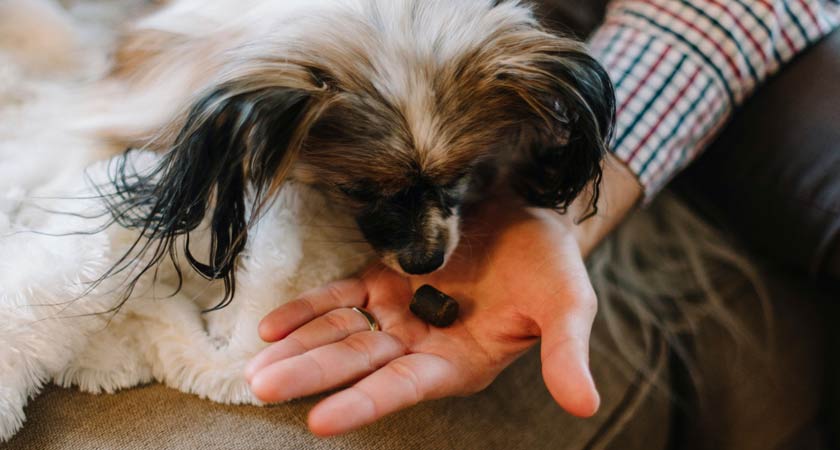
[(396, 109)]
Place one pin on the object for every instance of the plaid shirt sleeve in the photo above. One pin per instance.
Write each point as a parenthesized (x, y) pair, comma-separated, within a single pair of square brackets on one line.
[(681, 67)]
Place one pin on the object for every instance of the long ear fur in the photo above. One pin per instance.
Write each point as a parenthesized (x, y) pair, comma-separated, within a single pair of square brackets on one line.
[(231, 140), (575, 102)]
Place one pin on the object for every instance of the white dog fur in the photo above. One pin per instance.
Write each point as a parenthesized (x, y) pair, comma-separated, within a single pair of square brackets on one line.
[(48, 334)]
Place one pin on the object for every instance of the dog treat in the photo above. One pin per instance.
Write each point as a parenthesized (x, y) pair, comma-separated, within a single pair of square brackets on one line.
[(434, 307)]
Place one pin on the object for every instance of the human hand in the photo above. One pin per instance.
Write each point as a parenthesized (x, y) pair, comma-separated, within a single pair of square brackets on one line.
[(518, 275)]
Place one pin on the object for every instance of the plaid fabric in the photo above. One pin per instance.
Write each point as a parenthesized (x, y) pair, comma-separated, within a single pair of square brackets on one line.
[(681, 67)]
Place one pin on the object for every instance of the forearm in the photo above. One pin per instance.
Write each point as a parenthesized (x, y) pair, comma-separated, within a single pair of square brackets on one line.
[(681, 68), (675, 90)]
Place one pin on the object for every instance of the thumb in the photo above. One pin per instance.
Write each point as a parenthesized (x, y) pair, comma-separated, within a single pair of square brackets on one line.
[(565, 361)]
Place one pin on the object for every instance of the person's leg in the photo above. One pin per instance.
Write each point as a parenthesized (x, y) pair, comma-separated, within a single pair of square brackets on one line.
[(764, 395)]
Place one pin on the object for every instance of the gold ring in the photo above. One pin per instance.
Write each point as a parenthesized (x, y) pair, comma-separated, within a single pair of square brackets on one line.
[(372, 323)]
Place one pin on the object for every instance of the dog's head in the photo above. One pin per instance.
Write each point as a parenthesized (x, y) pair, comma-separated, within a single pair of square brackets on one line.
[(389, 110)]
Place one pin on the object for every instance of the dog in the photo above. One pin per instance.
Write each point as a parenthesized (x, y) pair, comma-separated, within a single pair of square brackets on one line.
[(400, 111)]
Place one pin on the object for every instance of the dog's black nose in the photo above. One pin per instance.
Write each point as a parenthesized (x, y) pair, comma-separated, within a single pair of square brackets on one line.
[(420, 265)]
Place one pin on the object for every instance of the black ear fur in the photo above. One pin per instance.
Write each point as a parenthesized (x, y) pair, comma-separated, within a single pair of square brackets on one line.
[(230, 141), (558, 165)]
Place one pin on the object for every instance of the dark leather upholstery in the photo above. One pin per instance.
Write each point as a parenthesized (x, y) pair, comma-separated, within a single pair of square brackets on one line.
[(775, 170)]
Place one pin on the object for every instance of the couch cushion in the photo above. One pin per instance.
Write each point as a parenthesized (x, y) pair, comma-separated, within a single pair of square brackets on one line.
[(516, 411)]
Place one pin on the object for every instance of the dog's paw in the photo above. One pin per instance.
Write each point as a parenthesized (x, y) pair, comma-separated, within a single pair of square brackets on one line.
[(217, 380), (103, 381), (110, 362), (234, 391)]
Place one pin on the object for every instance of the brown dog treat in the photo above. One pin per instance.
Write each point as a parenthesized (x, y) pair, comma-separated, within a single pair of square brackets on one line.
[(434, 307)]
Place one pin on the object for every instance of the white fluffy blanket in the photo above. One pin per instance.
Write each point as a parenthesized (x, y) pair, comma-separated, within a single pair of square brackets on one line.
[(51, 329)]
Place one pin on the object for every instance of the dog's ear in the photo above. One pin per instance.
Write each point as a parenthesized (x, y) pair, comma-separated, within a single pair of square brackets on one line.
[(572, 103), (234, 143)]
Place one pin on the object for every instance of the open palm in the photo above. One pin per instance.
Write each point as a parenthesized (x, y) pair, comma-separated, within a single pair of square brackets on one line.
[(518, 275)]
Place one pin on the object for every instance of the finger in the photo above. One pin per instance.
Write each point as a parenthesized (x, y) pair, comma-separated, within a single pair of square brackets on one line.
[(331, 327), (311, 304), (326, 367), (401, 383), (565, 357)]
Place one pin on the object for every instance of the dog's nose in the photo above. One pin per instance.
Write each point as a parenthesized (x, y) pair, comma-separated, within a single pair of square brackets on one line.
[(421, 265)]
